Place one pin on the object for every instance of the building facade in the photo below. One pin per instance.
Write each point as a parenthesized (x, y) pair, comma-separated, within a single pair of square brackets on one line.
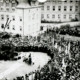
[(60, 11), (20, 17)]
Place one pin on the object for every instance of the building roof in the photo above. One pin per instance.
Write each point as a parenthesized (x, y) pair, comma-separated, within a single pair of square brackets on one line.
[(25, 4), (55, 0)]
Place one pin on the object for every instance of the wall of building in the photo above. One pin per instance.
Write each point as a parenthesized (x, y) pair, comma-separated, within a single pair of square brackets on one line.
[(8, 11), (61, 10), (32, 20), (24, 21)]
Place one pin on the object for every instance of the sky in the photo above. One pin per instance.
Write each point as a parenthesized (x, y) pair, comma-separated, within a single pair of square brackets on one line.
[(41, 0), (38, 0), (46, 0)]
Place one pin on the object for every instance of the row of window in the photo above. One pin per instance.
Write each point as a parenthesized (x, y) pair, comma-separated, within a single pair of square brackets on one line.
[(8, 4), (7, 9), (13, 27), (31, 10), (11, 9), (7, 17), (65, 8), (20, 18), (67, 1), (12, 5), (59, 16)]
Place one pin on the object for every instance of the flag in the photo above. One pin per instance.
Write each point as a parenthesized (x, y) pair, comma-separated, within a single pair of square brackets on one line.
[(6, 23)]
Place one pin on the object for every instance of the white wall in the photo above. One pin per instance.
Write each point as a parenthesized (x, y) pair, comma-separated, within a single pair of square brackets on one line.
[(62, 12), (30, 15), (31, 20)]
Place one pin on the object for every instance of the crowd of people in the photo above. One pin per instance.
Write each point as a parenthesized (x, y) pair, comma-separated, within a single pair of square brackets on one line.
[(73, 66), (64, 63), (67, 29)]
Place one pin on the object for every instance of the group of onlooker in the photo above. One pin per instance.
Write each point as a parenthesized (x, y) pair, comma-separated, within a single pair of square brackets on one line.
[(46, 42)]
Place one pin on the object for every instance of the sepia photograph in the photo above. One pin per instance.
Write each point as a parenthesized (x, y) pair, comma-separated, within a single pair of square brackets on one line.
[(39, 39)]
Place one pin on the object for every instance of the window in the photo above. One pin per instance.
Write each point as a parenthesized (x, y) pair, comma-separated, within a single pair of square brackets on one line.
[(1, 8), (53, 16), (64, 16), (42, 7), (47, 15), (2, 26), (41, 28), (13, 27), (42, 16), (71, 8), (54, 1), (7, 26), (70, 16), (7, 9), (59, 8), (13, 1), (33, 17), (76, 8), (59, 2), (13, 9), (13, 18), (7, 4), (53, 8), (1, 3), (76, 16), (48, 7), (77, 1), (7, 16), (65, 8), (13, 4), (29, 10), (20, 28), (7, 1), (59, 16), (20, 19), (2, 17)]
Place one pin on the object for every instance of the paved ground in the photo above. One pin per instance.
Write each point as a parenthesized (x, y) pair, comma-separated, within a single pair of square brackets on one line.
[(12, 69)]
